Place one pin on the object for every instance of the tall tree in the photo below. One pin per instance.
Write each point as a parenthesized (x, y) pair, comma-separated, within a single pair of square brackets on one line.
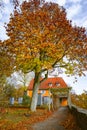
[(41, 37)]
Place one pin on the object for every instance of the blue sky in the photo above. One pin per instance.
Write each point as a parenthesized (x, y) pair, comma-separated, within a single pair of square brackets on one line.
[(76, 11)]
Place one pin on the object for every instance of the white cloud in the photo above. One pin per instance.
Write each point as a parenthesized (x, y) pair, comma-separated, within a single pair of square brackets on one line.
[(73, 10), (8, 9), (78, 86), (4, 18), (60, 2), (74, 1), (3, 35), (80, 22), (84, 23), (0, 16), (6, 1)]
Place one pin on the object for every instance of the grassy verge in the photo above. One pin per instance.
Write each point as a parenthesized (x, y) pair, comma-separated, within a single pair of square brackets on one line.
[(21, 118)]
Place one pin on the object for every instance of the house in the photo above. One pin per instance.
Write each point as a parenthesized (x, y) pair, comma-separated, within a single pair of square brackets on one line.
[(51, 88)]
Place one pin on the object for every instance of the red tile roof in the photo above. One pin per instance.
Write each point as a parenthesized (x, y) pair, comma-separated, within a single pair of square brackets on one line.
[(55, 82)]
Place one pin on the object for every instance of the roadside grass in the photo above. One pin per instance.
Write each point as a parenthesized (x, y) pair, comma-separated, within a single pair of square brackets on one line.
[(11, 117), (21, 118)]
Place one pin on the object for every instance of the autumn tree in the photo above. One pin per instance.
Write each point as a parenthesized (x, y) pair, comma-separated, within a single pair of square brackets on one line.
[(41, 37), (6, 61)]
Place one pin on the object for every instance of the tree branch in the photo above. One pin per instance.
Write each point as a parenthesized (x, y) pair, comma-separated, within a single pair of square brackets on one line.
[(58, 59), (46, 76)]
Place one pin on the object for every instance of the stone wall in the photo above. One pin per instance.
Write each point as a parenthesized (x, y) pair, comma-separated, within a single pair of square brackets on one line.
[(81, 116)]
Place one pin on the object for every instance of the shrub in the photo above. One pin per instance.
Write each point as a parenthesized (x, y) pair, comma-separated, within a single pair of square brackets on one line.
[(26, 100)]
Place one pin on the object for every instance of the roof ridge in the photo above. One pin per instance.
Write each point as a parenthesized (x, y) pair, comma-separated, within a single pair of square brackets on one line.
[(45, 84)]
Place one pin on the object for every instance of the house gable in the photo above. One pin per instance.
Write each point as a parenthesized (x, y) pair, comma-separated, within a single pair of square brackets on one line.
[(55, 82)]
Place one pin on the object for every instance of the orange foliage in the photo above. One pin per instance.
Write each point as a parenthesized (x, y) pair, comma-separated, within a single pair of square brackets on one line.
[(40, 36), (79, 100)]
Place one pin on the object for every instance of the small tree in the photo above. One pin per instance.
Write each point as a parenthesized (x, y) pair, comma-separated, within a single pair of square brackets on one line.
[(2, 85), (9, 91), (26, 100)]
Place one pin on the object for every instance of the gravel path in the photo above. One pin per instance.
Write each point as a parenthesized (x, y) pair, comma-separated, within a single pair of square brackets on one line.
[(53, 122)]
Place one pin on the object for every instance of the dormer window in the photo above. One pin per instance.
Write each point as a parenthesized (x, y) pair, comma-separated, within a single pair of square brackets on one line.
[(50, 84), (57, 84)]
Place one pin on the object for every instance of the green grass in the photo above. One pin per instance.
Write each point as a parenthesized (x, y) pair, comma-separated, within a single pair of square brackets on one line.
[(14, 115)]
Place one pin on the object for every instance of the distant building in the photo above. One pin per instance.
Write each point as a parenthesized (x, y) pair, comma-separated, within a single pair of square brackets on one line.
[(51, 87)]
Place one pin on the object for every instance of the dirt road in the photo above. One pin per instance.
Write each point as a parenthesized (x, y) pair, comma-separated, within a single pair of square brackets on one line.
[(53, 122)]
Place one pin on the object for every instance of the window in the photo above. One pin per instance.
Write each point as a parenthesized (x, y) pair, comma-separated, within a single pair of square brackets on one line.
[(50, 84), (57, 84), (42, 91)]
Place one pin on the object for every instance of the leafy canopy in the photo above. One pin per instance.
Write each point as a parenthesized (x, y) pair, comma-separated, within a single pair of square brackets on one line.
[(40, 36)]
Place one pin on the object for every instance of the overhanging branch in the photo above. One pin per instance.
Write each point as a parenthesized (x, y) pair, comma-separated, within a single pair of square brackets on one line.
[(59, 59), (46, 76)]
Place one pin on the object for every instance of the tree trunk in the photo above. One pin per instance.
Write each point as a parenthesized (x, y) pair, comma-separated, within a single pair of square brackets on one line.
[(35, 92), (56, 103)]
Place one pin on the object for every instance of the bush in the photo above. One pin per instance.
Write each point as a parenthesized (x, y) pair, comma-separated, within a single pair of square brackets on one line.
[(26, 100)]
